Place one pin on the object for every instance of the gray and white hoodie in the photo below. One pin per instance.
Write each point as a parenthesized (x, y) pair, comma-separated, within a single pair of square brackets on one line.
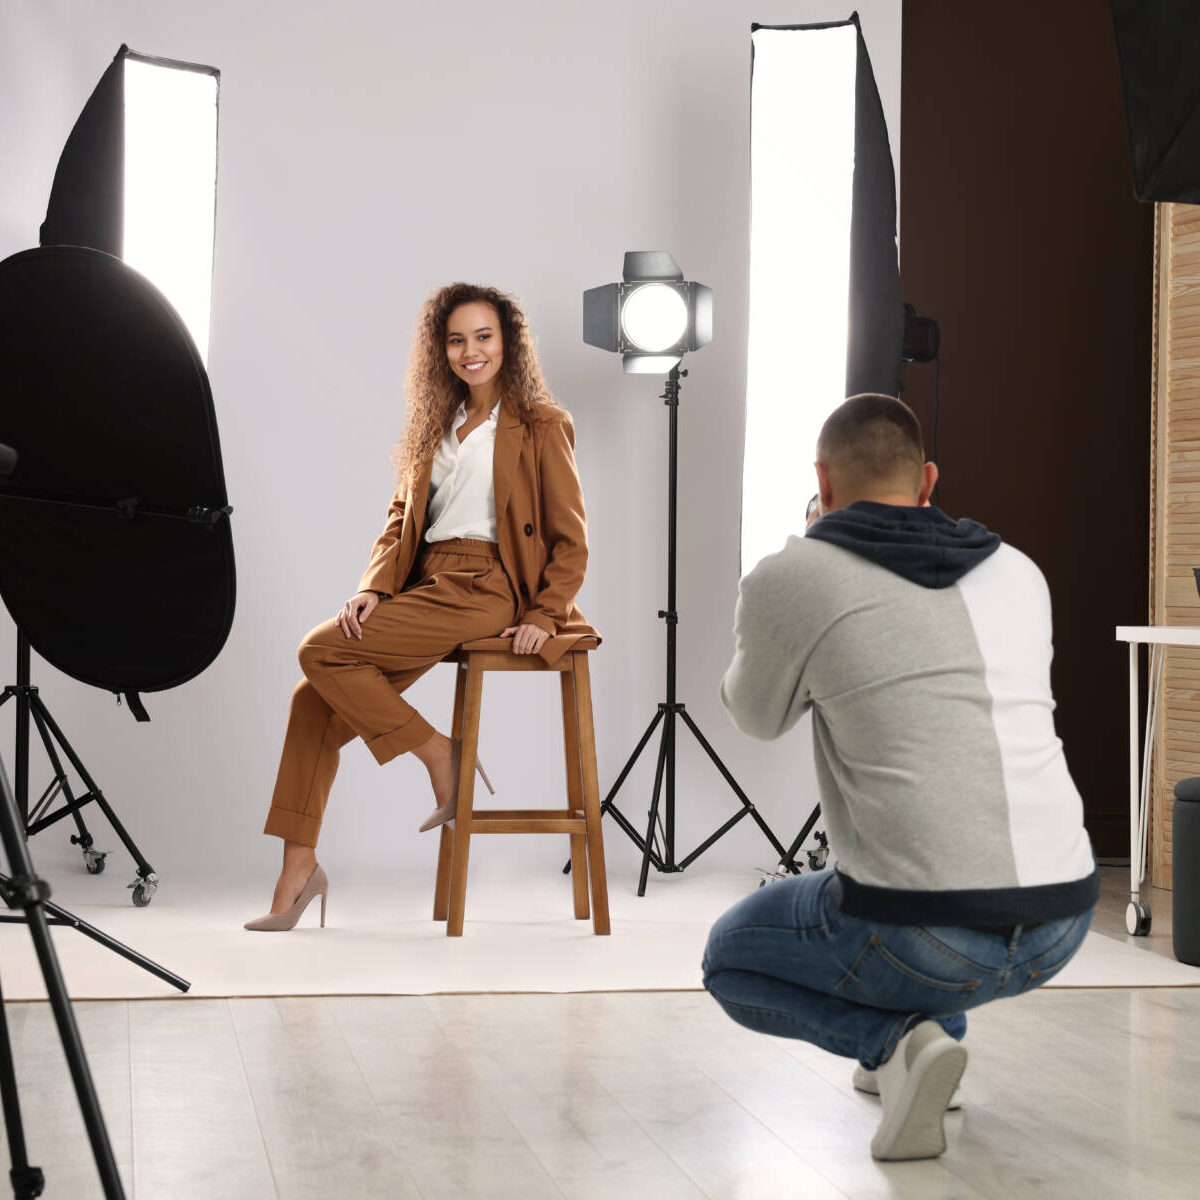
[(923, 646)]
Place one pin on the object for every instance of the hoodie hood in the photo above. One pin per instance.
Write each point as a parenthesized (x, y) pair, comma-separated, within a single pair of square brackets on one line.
[(922, 545)]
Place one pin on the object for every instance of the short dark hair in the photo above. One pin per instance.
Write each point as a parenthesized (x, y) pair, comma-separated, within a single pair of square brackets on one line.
[(873, 438)]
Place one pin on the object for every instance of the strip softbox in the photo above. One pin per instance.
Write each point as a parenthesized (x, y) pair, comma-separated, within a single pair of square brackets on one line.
[(826, 318)]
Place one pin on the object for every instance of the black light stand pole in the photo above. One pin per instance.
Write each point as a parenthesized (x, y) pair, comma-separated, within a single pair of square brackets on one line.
[(670, 397), (26, 891), (664, 859), (22, 695)]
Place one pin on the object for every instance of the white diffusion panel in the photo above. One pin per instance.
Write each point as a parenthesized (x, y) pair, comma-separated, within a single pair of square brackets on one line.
[(802, 169), (170, 185)]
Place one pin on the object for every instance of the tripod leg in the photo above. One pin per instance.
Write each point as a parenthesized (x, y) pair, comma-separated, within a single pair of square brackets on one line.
[(26, 1180), (83, 838), (658, 782), (637, 750), (61, 916), (801, 837), (143, 867), (68, 1034), (29, 892), (733, 783), (608, 805)]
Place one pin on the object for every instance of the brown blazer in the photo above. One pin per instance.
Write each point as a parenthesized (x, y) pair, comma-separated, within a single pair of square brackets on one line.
[(540, 526)]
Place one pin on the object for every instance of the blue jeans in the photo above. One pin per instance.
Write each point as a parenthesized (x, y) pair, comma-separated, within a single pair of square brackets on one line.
[(787, 961)]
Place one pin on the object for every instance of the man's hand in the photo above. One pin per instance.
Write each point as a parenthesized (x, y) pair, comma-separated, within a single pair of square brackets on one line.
[(354, 613), (527, 639)]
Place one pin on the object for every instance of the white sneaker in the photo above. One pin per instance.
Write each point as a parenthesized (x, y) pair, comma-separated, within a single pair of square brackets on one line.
[(867, 1081), (915, 1085)]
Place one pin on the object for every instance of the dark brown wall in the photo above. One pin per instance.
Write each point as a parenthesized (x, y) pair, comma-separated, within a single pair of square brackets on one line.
[(1020, 235)]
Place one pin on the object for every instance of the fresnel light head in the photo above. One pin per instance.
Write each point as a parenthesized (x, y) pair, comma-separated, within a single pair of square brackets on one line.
[(652, 318)]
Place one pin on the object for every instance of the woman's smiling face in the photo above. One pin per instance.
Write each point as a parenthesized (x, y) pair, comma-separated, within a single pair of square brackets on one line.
[(474, 345)]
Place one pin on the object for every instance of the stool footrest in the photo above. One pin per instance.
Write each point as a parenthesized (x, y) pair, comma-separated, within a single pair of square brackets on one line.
[(531, 824), (520, 814)]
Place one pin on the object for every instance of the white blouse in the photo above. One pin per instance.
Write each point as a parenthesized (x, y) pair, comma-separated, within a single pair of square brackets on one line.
[(462, 500)]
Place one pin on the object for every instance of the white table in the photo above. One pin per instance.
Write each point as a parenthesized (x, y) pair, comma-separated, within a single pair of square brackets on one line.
[(1158, 638)]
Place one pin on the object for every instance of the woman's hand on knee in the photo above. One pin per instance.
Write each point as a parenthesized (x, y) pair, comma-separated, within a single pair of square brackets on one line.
[(527, 639), (355, 611)]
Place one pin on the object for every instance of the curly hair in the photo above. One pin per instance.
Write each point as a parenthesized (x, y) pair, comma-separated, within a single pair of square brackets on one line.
[(435, 392)]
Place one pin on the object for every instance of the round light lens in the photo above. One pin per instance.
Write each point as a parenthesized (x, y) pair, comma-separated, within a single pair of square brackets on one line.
[(654, 317)]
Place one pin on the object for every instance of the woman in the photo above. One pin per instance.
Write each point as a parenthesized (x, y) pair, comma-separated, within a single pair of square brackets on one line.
[(486, 535)]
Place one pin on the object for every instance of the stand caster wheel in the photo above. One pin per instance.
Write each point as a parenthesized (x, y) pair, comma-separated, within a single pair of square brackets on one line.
[(1137, 918), (780, 872), (819, 857), (143, 890), (93, 861)]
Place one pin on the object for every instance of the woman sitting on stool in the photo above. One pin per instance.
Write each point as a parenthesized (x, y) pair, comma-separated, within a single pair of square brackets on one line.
[(486, 535)]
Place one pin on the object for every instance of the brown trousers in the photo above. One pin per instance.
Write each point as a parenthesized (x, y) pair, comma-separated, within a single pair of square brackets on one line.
[(352, 687)]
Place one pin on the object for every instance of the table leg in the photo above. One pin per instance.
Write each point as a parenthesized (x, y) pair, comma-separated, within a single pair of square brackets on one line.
[(1134, 774), (1153, 710), (1137, 914)]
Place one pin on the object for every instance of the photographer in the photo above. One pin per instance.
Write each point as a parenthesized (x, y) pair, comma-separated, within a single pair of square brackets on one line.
[(922, 645)]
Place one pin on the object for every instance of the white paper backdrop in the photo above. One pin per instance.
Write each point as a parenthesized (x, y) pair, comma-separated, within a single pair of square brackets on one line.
[(370, 152)]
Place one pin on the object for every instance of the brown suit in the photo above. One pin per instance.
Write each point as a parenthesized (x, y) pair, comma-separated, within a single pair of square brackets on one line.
[(436, 597), (540, 527)]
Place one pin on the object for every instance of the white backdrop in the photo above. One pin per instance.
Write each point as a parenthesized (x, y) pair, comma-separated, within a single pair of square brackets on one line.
[(369, 152)]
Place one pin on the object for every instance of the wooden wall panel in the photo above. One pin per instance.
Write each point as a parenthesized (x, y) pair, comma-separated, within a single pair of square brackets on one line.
[(1175, 522)]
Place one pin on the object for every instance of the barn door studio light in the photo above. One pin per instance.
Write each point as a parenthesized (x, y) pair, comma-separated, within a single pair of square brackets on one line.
[(652, 317)]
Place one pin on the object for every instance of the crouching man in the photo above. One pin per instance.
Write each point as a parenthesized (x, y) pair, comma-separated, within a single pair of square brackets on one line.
[(964, 874)]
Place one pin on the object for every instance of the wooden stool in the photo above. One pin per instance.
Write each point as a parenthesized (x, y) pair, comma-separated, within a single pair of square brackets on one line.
[(581, 817)]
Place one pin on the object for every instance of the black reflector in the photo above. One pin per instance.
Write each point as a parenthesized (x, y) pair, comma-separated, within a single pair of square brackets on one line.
[(116, 555)]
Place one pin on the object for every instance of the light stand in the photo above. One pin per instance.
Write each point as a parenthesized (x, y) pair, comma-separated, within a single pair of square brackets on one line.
[(671, 709), (24, 890), (31, 706)]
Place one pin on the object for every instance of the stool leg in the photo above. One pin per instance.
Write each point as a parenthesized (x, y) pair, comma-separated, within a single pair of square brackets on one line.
[(591, 792), (441, 891), (472, 697), (460, 701), (574, 792)]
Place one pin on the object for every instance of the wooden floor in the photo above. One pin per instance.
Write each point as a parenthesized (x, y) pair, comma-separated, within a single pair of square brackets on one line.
[(1069, 1093)]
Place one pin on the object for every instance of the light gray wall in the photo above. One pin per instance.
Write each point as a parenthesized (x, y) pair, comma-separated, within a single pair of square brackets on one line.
[(370, 152)]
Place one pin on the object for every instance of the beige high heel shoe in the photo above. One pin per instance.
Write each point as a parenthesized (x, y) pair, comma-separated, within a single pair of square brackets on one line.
[(317, 885), (446, 812)]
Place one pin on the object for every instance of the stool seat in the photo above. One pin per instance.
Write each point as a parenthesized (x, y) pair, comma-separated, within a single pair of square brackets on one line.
[(504, 645), (579, 820)]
